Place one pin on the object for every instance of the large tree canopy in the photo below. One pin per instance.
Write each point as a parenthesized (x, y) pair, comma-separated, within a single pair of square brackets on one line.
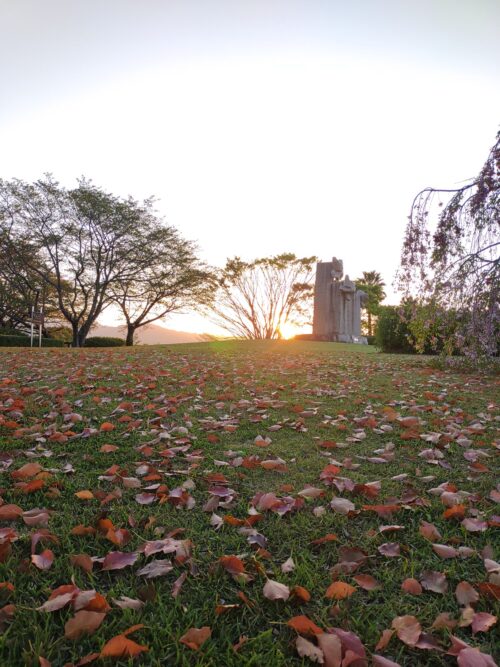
[(451, 260), (256, 299), (88, 247)]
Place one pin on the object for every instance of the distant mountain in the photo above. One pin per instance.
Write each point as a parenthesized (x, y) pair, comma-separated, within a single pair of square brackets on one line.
[(151, 334)]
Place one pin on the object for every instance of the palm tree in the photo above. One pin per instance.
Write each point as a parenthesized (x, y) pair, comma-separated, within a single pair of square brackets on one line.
[(371, 282)]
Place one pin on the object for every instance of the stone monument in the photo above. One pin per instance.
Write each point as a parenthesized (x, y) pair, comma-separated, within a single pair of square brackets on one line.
[(337, 305)]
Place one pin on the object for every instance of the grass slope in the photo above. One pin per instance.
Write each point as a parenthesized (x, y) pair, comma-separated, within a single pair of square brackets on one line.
[(223, 395)]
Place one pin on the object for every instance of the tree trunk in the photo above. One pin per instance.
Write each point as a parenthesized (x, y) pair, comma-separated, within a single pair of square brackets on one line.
[(129, 340), (75, 342), (370, 332)]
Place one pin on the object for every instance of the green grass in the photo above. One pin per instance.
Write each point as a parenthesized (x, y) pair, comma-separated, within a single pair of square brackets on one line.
[(191, 383)]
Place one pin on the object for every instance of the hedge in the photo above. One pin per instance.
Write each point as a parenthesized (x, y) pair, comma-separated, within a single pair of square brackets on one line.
[(8, 331), (104, 341), (25, 341)]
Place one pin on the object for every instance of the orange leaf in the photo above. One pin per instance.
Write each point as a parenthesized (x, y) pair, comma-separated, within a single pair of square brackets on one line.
[(232, 564), (339, 590), (85, 495), (304, 626), (300, 593), (107, 426), (122, 647), (455, 512)]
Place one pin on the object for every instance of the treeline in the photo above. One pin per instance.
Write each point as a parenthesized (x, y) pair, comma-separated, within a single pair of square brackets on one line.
[(80, 250)]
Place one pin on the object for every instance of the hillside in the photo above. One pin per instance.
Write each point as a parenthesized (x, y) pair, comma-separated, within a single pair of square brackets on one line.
[(151, 334)]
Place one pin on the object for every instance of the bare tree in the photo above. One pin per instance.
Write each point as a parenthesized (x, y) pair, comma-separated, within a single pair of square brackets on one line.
[(453, 264), (84, 240), (256, 299)]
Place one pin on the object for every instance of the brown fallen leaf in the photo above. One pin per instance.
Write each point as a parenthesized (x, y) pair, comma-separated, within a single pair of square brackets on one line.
[(232, 564), (44, 560), (117, 560), (83, 561), (83, 623), (195, 637), (367, 582), (331, 646), (482, 622), (434, 581), (411, 586), (408, 629), (466, 594)]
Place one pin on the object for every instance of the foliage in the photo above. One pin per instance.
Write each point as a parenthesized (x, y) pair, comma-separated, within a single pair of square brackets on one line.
[(61, 333), (254, 300), (104, 341), (21, 287), (173, 280), (81, 243), (246, 503), (453, 264), (392, 333), (25, 341), (432, 328), (8, 331), (371, 282)]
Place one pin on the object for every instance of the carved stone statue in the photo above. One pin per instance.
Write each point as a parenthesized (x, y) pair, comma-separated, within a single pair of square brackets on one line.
[(337, 305)]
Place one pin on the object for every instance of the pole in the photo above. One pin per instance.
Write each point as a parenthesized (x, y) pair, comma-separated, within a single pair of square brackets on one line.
[(32, 325), (42, 312)]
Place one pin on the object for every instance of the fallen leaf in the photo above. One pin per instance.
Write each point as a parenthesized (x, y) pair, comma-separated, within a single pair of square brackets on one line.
[(304, 626), (307, 649), (408, 629), (83, 623), (44, 560), (339, 590), (273, 590), (195, 637), (466, 594), (367, 582), (411, 586), (117, 560)]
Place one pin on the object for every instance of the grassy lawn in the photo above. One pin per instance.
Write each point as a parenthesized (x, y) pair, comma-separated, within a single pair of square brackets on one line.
[(164, 443)]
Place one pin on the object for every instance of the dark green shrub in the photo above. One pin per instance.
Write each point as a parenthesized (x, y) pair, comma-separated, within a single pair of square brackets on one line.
[(24, 341), (104, 341), (370, 340), (392, 334), (8, 331)]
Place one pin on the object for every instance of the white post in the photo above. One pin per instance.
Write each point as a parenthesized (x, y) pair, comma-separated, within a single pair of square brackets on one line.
[(32, 326), (40, 336)]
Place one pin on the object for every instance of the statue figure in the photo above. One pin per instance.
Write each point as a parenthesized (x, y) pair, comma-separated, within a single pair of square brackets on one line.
[(337, 305), (348, 291)]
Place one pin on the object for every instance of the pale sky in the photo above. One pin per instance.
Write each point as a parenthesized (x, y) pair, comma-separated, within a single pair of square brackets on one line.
[(261, 126)]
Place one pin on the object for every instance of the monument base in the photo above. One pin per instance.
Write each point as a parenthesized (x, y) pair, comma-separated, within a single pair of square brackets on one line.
[(334, 338)]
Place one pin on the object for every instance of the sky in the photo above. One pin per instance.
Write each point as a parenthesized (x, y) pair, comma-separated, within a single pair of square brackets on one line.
[(261, 126)]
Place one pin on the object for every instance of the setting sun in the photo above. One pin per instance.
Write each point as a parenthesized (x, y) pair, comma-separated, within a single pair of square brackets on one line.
[(289, 330)]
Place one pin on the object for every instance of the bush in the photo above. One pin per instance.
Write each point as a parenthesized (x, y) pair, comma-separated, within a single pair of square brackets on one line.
[(24, 341), (392, 334), (8, 331), (104, 341), (370, 340)]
